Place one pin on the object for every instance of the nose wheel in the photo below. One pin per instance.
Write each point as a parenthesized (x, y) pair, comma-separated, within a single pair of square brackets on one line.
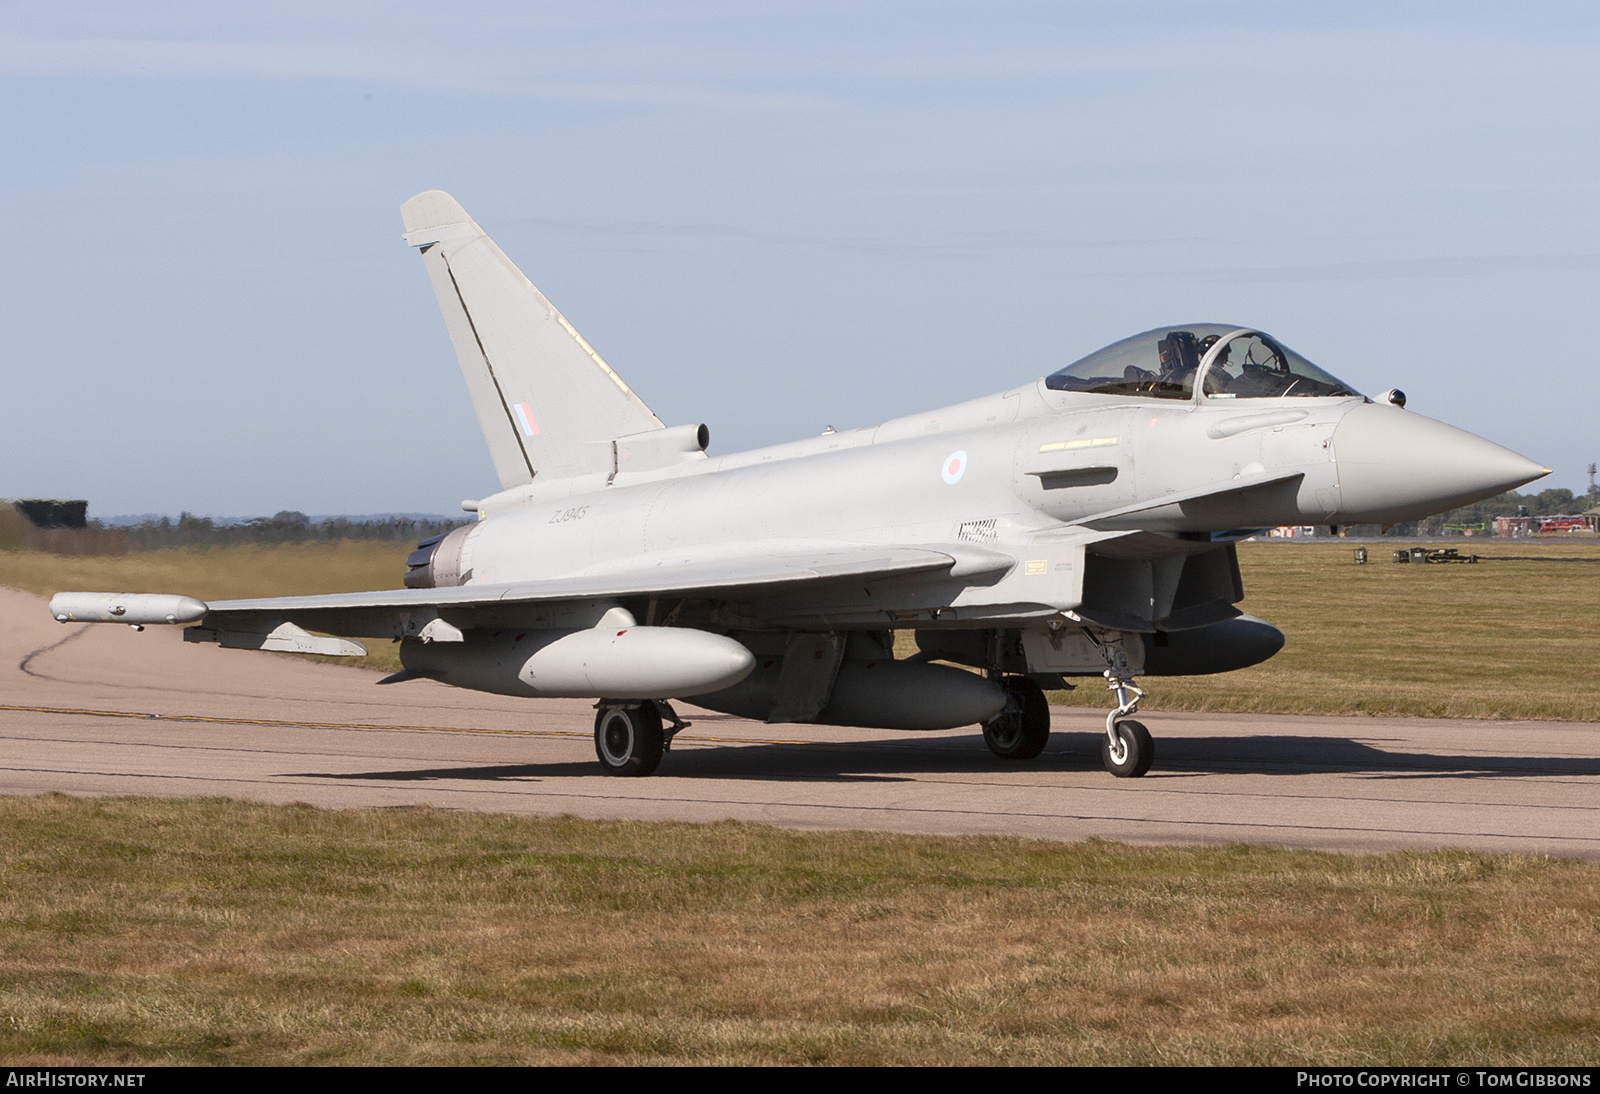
[(1127, 750)]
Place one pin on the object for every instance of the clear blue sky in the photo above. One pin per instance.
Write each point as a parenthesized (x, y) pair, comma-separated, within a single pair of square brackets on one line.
[(769, 217)]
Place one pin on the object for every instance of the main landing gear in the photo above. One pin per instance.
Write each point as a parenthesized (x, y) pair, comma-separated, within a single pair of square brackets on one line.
[(1019, 732), (629, 737)]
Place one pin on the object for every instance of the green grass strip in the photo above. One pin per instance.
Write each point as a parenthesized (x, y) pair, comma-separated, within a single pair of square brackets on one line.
[(214, 932)]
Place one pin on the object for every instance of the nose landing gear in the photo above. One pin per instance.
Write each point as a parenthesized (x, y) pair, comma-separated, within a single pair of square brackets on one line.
[(1127, 750)]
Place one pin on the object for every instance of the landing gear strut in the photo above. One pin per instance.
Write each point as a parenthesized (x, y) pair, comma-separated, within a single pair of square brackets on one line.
[(1019, 732), (1127, 750)]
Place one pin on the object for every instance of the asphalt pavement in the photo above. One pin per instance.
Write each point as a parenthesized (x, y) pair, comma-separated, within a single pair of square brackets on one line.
[(98, 710)]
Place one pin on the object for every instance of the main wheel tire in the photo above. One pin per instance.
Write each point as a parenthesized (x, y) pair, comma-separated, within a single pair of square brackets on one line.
[(628, 740), (1021, 730), (1134, 754)]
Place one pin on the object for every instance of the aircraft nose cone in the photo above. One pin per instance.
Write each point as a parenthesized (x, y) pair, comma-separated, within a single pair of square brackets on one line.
[(1396, 465)]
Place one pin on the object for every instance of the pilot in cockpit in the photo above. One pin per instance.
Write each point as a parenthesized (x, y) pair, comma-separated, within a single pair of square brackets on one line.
[(1180, 353)]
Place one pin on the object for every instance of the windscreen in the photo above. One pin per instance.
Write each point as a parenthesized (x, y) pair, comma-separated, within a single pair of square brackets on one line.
[(1162, 364), (1254, 366)]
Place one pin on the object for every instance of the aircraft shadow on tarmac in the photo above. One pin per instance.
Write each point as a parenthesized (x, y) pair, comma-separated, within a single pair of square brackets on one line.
[(1176, 757)]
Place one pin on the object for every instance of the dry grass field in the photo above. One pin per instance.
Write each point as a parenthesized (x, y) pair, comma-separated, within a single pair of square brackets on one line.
[(1507, 639), (221, 573), (139, 932)]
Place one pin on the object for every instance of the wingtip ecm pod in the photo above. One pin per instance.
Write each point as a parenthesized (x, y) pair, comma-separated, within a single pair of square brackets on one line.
[(547, 402), (134, 609)]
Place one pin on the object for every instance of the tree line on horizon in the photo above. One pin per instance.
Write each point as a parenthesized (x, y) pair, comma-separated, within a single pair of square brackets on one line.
[(1546, 503), (189, 531), (290, 527)]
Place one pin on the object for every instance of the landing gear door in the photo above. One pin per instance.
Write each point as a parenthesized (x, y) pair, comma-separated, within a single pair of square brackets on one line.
[(1068, 650)]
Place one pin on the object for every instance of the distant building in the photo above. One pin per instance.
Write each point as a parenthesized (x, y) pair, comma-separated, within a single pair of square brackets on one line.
[(1556, 524), (53, 512), (57, 526)]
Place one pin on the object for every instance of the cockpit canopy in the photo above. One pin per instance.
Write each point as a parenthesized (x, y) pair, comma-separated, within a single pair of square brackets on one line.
[(1239, 363)]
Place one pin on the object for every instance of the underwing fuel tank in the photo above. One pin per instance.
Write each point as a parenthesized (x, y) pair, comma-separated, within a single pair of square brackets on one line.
[(600, 662), (876, 694)]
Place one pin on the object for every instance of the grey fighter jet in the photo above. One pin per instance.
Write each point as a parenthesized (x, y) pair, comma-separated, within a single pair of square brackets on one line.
[(1082, 524)]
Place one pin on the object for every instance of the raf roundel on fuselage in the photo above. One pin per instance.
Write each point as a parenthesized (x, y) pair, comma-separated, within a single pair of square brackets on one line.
[(1237, 362)]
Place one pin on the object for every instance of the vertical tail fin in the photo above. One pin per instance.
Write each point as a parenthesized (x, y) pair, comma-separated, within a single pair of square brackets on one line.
[(548, 405)]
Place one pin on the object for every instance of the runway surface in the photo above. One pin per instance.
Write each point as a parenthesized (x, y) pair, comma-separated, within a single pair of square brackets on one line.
[(94, 709)]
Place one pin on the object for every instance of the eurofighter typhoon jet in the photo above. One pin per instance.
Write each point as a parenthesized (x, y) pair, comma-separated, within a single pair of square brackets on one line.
[(1082, 524)]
